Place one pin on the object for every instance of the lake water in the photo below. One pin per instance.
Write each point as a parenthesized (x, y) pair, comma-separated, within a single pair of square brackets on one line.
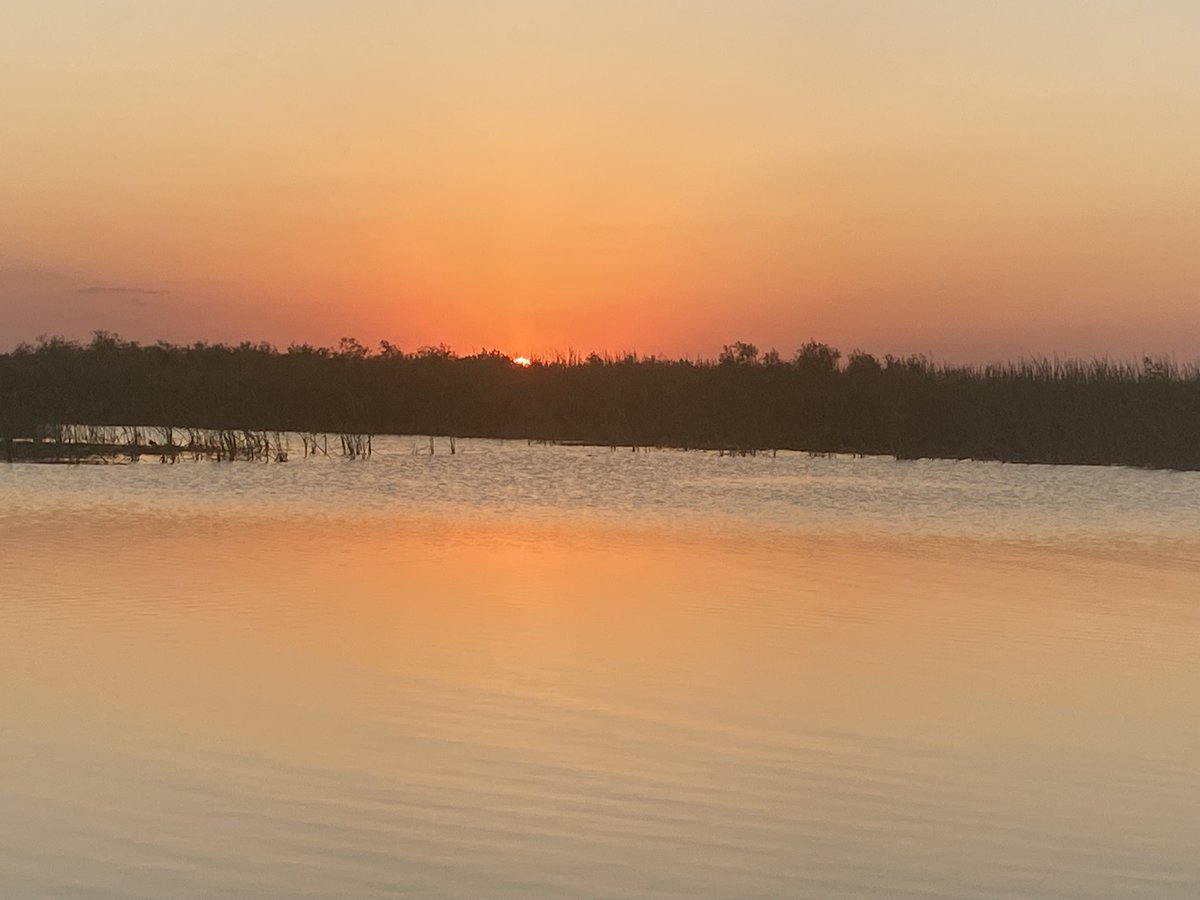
[(529, 671)]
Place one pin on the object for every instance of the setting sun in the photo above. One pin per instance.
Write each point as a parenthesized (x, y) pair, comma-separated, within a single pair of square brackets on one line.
[(522, 361)]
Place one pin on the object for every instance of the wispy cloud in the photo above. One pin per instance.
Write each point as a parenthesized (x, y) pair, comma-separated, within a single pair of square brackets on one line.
[(118, 289)]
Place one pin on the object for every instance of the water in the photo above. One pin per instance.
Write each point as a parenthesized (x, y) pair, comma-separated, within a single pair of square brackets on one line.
[(528, 671)]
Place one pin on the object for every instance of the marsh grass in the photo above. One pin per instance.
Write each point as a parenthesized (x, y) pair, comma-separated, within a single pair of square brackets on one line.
[(107, 444), (1142, 413)]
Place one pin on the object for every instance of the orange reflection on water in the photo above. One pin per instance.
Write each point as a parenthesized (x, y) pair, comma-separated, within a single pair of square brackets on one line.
[(756, 627), (502, 687)]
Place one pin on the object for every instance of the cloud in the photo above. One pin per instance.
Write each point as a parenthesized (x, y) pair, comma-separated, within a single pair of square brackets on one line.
[(134, 296), (117, 289)]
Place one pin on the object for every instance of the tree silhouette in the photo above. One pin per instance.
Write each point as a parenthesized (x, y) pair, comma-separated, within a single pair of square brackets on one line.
[(1144, 414)]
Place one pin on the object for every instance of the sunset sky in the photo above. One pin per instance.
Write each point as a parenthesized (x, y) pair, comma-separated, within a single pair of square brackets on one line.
[(968, 180)]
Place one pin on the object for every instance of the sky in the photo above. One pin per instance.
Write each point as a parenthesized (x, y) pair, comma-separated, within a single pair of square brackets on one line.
[(972, 181)]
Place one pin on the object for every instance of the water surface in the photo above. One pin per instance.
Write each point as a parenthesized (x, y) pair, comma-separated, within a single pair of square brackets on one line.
[(529, 671)]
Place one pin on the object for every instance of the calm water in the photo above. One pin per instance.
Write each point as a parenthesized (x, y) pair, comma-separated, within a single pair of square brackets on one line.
[(529, 671)]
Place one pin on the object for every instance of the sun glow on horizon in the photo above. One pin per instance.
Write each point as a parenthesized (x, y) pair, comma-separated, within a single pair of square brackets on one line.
[(524, 361), (661, 176)]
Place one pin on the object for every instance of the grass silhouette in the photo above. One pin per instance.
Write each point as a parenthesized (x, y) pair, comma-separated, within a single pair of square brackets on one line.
[(227, 401)]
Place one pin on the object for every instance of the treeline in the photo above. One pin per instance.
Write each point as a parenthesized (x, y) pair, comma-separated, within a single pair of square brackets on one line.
[(1100, 412)]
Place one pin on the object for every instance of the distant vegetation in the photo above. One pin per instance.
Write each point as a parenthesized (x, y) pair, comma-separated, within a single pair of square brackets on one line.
[(1145, 414)]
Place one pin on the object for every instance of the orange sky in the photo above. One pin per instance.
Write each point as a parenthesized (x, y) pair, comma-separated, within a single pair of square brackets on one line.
[(968, 180)]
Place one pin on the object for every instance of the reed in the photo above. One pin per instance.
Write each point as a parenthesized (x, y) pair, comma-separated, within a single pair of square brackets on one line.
[(239, 399)]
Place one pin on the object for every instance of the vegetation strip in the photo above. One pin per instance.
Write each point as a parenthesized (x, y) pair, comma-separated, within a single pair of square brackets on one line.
[(232, 399)]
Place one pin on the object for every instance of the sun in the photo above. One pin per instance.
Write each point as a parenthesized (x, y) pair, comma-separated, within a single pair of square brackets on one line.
[(522, 361)]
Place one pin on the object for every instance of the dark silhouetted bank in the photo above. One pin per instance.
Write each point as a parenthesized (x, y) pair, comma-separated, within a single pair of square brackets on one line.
[(205, 396)]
